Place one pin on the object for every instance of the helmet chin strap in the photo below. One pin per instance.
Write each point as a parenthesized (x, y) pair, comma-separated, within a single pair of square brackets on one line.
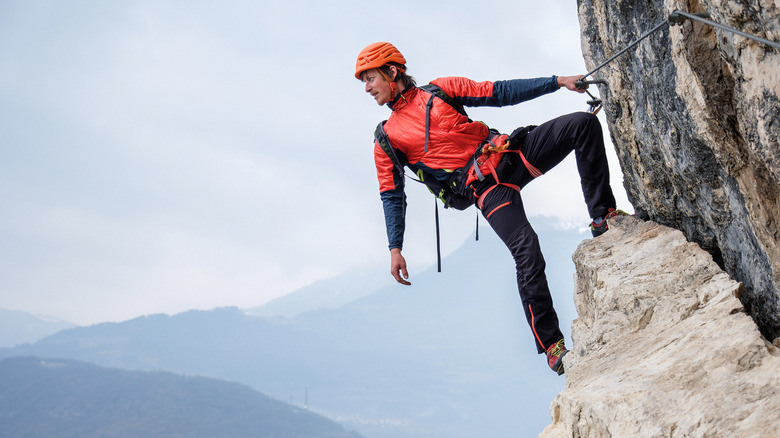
[(393, 86)]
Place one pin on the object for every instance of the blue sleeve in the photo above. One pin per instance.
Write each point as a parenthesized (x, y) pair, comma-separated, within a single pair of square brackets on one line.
[(514, 91), (394, 204)]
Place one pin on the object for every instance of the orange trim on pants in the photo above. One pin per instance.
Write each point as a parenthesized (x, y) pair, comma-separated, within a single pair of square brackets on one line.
[(533, 328), (494, 210)]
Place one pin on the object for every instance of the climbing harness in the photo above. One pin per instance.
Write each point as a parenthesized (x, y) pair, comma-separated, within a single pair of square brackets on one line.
[(513, 144), (677, 17)]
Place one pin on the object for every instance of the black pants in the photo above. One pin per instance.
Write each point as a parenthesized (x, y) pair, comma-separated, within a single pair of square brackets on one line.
[(545, 147)]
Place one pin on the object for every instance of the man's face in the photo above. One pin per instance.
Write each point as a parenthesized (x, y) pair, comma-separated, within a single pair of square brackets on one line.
[(377, 86)]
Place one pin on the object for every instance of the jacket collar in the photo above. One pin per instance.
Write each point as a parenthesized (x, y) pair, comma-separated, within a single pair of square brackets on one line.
[(402, 97)]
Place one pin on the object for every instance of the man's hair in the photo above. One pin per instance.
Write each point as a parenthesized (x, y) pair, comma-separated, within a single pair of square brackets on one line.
[(403, 78)]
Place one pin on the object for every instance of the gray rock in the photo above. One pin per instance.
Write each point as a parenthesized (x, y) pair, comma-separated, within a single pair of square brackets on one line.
[(662, 345), (694, 113)]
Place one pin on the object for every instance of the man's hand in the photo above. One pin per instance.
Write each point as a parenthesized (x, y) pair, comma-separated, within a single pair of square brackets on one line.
[(568, 82), (398, 266)]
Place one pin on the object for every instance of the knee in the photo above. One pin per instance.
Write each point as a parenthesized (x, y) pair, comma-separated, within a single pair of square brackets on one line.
[(586, 119), (588, 129)]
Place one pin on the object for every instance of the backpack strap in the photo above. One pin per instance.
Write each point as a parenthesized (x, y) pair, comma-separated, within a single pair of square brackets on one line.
[(437, 92), (384, 142)]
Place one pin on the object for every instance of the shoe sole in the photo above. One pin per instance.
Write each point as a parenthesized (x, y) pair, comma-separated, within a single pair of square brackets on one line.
[(558, 366)]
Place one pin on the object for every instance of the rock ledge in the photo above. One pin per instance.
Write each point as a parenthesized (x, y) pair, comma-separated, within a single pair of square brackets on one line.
[(662, 346)]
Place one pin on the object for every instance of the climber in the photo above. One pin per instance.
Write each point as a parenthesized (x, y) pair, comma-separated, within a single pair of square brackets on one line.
[(429, 132)]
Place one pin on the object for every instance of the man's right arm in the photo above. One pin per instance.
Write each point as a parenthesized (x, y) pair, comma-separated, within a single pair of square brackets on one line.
[(391, 190)]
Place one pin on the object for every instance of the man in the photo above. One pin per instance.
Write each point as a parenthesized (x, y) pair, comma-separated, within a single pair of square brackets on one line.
[(429, 132)]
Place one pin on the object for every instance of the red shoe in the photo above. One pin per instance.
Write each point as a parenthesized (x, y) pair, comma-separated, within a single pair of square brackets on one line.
[(602, 227), (555, 356)]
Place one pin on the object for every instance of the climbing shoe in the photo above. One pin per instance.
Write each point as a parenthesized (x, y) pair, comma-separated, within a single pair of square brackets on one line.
[(555, 356), (599, 226)]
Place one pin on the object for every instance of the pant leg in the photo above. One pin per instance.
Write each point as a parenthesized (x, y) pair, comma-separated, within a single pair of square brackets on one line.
[(549, 143), (503, 209)]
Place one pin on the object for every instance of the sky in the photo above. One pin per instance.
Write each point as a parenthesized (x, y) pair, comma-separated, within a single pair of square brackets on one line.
[(158, 156)]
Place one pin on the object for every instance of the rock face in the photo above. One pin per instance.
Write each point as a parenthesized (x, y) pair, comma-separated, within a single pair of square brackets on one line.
[(662, 345), (694, 113)]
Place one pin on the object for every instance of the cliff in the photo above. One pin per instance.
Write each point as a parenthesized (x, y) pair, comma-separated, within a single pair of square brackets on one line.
[(694, 113), (678, 307), (662, 345)]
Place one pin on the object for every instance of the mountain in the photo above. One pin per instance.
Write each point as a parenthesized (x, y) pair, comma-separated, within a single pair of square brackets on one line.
[(20, 327), (330, 293), (59, 398), (450, 356)]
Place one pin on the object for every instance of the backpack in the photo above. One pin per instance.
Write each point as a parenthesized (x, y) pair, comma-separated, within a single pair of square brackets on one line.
[(452, 192)]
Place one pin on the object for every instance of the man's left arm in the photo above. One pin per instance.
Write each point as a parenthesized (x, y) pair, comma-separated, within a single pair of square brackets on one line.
[(502, 93)]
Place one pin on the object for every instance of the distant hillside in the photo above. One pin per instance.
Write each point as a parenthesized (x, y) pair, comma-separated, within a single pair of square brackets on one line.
[(20, 327), (57, 398), (330, 293)]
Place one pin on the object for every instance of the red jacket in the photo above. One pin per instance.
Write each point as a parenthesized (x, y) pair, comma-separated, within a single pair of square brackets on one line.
[(453, 137)]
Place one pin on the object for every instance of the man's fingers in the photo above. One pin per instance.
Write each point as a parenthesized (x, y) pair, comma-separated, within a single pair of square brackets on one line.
[(398, 276), (398, 267), (406, 276)]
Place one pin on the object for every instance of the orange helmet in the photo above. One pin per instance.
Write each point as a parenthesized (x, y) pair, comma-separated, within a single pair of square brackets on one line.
[(376, 55)]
